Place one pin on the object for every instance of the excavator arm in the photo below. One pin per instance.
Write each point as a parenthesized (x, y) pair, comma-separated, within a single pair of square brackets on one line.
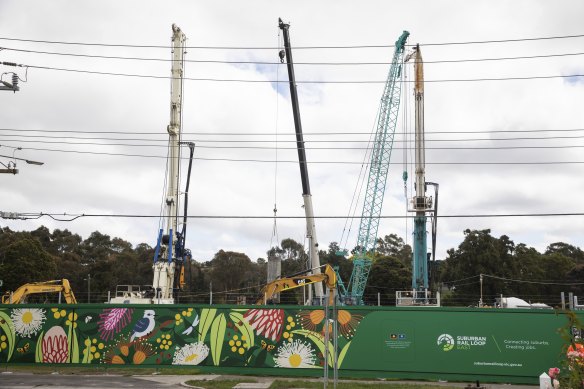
[(20, 295), (328, 276)]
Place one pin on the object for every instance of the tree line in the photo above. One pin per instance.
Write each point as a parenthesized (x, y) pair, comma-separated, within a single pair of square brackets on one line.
[(96, 265)]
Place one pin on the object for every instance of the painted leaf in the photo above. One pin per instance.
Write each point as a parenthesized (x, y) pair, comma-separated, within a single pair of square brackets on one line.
[(343, 353), (318, 340), (8, 328), (74, 352), (217, 337), (243, 327), (85, 355), (38, 352), (207, 316)]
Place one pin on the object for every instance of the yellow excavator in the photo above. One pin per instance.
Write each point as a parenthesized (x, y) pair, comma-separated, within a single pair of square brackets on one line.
[(20, 295), (328, 276)]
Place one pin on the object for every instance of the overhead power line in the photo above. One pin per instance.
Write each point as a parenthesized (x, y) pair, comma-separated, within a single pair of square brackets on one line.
[(554, 137), (327, 148), (242, 62), (453, 163), (286, 132), (510, 40), (73, 216), (533, 282), (260, 81)]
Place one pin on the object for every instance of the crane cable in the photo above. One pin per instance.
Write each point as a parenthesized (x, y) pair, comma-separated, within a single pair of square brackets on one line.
[(406, 149), (277, 89)]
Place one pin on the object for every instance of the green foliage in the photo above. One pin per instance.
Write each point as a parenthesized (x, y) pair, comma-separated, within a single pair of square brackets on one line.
[(42, 255), (387, 275), (24, 260)]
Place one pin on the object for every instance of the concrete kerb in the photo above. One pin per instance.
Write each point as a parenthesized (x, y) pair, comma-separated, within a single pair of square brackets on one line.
[(182, 380)]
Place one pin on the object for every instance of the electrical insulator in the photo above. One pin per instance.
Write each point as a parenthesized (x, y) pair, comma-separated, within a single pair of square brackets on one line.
[(15, 81)]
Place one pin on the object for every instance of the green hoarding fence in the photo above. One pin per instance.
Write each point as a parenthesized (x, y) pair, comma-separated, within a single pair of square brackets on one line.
[(496, 345)]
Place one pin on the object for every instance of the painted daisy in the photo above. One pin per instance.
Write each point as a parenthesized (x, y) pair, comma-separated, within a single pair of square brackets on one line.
[(296, 354), (190, 354), (28, 321)]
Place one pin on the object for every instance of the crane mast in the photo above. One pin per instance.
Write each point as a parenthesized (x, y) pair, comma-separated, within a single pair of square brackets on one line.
[(165, 257), (378, 170), (420, 202), (306, 195)]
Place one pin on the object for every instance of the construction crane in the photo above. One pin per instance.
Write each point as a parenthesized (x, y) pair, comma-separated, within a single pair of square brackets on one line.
[(170, 254), (378, 170), (421, 204), (306, 195)]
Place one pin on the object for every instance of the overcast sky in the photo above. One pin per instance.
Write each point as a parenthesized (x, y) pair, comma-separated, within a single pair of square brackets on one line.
[(494, 147)]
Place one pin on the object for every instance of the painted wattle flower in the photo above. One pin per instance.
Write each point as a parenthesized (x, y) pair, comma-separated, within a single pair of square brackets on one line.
[(113, 320), (266, 322), (54, 346)]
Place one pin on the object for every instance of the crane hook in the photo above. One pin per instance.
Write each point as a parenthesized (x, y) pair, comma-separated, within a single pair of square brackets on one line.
[(282, 55)]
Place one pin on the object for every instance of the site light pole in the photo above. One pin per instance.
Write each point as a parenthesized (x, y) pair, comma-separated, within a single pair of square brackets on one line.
[(10, 168)]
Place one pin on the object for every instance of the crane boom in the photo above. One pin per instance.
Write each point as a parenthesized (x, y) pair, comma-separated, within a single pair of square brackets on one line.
[(378, 170), (306, 195)]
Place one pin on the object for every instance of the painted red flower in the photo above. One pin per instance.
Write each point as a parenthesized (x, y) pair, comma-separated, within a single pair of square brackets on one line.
[(266, 322), (54, 347)]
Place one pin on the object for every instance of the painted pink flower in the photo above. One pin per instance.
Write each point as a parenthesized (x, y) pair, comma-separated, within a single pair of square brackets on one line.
[(266, 321), (113, 320), (54, 347)]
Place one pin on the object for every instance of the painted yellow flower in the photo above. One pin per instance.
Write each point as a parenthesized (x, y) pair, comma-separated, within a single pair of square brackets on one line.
[(93, 348), (58, 313), (72, 319)]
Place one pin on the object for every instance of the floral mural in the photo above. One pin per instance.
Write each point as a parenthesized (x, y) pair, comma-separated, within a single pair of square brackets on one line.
[(381, 342), (171, 335)]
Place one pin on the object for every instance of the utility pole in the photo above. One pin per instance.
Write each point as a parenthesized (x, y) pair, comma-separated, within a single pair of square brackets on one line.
[(88, 288)]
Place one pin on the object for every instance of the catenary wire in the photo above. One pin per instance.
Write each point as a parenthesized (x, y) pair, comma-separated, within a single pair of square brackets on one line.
[(277, 148), (510, 40), (339, 82), (468, 163), (288, 132), (241, 62), (145, 216)]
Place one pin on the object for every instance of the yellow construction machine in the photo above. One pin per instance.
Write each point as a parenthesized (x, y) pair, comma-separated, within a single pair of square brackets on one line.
[(20, 295), (328, 276)]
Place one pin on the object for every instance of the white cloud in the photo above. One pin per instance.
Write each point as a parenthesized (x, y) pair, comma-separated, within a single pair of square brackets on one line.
[(102, 184)]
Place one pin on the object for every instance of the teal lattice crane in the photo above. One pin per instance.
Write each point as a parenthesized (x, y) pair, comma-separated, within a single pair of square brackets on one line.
[(378, 170)]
